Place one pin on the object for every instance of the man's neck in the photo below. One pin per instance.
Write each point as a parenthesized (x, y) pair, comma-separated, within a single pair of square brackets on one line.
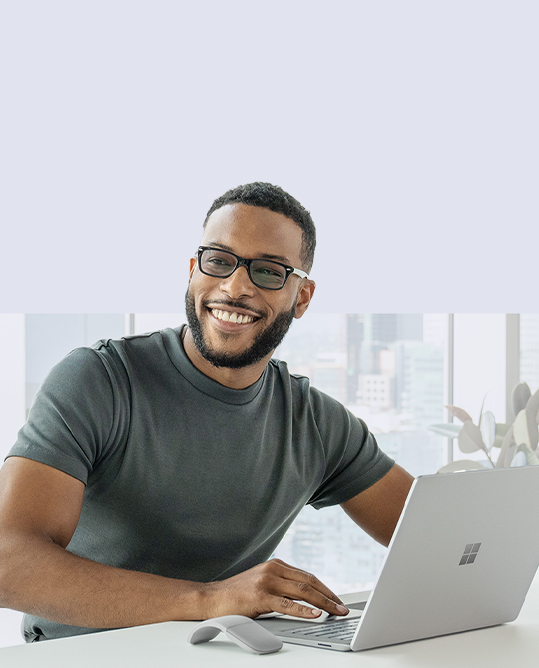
[(237, 379)]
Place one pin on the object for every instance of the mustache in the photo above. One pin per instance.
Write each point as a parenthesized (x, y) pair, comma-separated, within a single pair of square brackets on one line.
[(232, 304)]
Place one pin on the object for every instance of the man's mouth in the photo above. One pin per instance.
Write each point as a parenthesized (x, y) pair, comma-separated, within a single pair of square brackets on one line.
[(232, 316)]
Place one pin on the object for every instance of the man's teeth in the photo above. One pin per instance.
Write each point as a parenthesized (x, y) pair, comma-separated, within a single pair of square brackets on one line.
[(227, 316)]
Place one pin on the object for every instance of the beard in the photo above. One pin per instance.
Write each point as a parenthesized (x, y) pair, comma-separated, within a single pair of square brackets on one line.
[(264, 343)]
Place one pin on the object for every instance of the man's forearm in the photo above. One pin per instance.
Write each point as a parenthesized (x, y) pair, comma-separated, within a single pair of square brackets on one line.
[(43, 579), (40, 577)]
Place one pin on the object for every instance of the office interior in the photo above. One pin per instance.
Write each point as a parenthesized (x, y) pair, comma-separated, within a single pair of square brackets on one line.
[(397, 372)]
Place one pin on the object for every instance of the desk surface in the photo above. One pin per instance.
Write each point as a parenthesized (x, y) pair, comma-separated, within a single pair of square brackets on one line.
[(515, 644)]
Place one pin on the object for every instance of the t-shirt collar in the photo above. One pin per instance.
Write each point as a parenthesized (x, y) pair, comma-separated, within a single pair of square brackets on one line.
[(178, 356)]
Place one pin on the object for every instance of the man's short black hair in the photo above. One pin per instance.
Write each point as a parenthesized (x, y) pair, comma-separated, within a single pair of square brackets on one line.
[(276, 199)]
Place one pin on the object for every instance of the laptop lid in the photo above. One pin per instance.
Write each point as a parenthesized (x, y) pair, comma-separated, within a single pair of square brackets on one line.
[(463, 556)]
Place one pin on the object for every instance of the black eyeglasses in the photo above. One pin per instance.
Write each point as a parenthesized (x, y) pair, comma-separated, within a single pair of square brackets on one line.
[(263, 273)]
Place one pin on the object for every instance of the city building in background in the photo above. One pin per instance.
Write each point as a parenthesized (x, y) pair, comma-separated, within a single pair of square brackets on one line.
[(387, 369)]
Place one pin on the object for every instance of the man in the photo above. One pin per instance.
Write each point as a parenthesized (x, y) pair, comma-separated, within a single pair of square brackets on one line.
[(155, 475)]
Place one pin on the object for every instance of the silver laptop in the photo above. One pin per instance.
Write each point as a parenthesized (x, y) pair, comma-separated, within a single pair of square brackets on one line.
[(463, 556)]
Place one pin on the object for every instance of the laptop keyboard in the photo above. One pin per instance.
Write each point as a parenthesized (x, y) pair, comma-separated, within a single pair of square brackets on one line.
[(339, 630)]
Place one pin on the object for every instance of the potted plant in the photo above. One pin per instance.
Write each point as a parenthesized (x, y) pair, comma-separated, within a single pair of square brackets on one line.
[(516, 442)]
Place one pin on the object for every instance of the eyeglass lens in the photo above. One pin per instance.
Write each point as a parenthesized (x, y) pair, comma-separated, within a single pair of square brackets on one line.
[(264, 273)]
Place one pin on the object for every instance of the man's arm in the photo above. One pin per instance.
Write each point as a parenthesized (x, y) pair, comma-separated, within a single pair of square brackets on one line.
[(39, 510), (378, 508)]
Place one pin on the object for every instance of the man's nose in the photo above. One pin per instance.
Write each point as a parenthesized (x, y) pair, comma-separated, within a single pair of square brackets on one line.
[(238, 284)]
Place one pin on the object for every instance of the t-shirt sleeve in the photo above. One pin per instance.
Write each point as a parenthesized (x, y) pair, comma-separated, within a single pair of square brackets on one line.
[(73, 418), (354, 461)]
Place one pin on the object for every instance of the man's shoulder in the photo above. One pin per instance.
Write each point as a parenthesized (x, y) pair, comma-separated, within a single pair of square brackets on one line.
[(106, 359), (129, 342), (134, 347)]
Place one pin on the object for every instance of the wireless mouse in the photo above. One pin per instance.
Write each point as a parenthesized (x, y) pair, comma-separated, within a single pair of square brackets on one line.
[(246, 633)]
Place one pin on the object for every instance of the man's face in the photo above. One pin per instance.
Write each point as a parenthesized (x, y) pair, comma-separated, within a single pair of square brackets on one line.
[(250, 232)]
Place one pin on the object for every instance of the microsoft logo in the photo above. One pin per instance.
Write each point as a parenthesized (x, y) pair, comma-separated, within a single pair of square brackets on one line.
[(470, 553)]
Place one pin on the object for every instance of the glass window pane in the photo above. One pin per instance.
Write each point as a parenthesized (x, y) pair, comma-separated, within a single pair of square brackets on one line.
[(51, 336), (12, 392), (389, 370), (480, 363), (151, 322), (479, 372), (529, 350)]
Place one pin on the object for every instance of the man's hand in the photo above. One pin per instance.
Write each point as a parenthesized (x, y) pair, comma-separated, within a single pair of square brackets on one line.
[(272, 586)]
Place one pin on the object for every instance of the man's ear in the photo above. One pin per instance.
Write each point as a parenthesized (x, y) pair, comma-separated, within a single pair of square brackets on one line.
[(192, 265), (305, 294)]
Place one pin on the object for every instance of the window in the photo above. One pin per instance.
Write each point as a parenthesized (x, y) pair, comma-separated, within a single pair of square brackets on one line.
[(529, 350), (389, 370), (50, 337)]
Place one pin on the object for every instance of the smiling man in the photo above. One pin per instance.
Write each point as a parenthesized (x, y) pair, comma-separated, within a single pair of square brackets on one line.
[(156, 474), (236, 323)]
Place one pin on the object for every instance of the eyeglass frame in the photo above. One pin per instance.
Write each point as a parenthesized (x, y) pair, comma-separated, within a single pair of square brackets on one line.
[(241, 261)]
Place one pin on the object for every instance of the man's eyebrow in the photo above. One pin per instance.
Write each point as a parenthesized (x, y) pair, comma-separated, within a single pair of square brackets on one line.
[(265, 256)]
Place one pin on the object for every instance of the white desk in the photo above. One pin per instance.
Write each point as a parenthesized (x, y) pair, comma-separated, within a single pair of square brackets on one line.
[(165, 645)]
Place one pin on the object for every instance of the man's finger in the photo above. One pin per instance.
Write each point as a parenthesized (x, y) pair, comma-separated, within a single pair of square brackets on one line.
[(303, 592), (284, 605), (310, 581)]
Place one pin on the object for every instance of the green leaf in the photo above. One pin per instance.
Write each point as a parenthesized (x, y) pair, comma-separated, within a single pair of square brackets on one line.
[(532, 407), (525, 430), (470, 439), (507, 450), (519, 397), (501, 431), (488, 429), (459, 413), (481, 411), (531, 457)]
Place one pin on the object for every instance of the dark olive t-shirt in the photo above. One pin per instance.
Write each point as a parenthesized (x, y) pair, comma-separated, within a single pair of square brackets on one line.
[(184, 477)]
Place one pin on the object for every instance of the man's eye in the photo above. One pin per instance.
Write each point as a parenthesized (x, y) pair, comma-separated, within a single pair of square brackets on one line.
[(219, 261), (267, 271)]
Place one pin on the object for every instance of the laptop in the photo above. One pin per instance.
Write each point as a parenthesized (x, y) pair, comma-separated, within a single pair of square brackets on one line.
[(462, 557)]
